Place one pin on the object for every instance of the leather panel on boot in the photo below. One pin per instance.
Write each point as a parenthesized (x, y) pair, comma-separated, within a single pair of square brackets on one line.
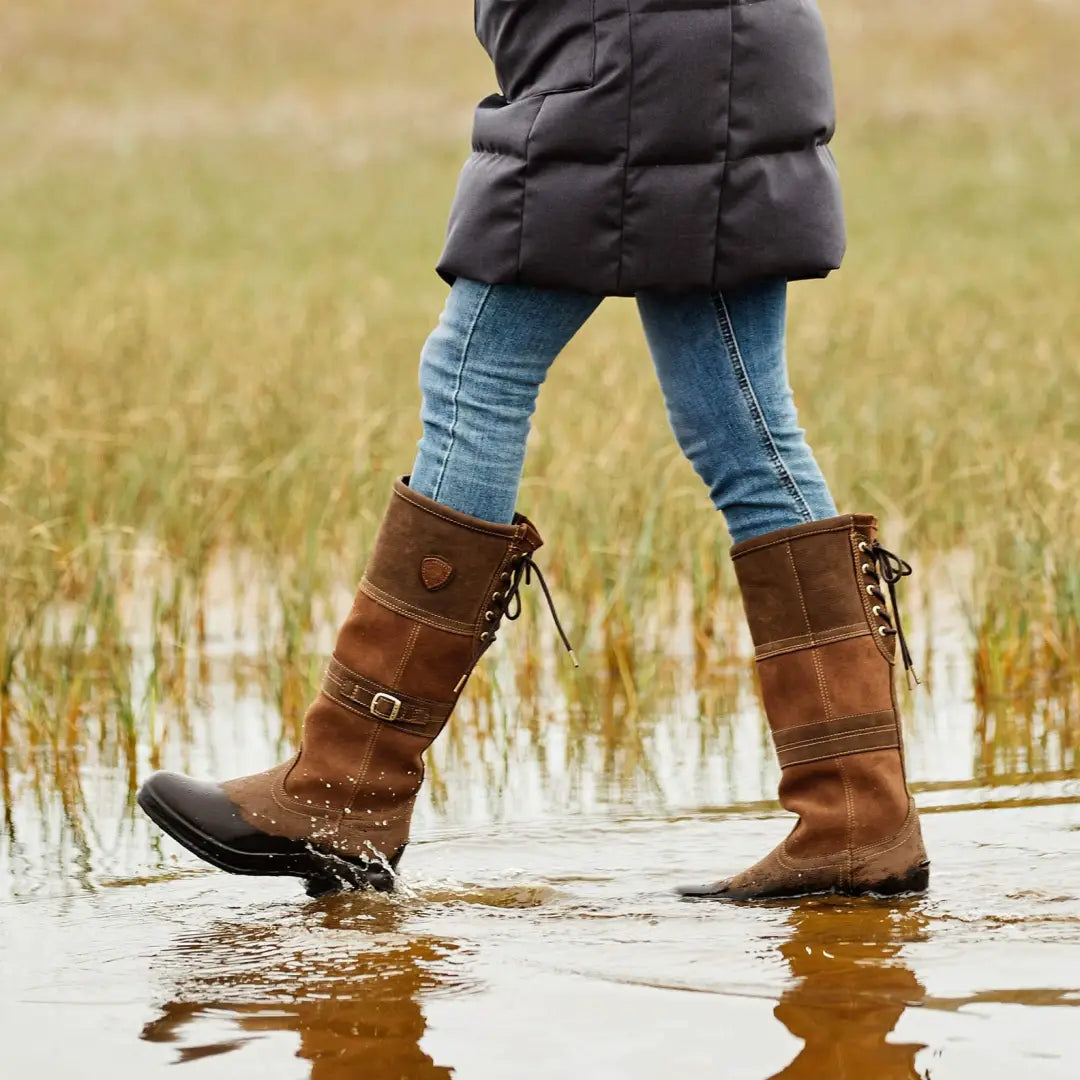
[(819, 794), (836, 738), (809, 641), (824, 567), (879, 795), (317, 795), (766, 580), (792, 690), (416, 529), (436, 662), (858, 682), (376, 642), (367, 761)]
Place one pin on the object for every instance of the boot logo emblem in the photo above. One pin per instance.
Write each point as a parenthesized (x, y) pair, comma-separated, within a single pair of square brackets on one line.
[(435, 573)]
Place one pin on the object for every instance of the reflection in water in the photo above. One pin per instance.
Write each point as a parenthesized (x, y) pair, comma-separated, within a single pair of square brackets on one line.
[(852, 986), (339, 973)]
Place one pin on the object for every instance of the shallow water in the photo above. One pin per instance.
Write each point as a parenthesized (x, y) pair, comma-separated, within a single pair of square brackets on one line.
[(535, 933)]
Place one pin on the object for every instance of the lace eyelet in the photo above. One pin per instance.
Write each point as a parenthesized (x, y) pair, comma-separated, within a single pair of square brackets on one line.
[(489, 616), (871, 590), (883, 631), (878, 611), (864, 547), (485, 636), (504, 577), (496, 597), (867, 568)]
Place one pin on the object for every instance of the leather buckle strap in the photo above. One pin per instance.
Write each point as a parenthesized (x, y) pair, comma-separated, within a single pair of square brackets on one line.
[(367, 698), (395, 706), (837, 738)]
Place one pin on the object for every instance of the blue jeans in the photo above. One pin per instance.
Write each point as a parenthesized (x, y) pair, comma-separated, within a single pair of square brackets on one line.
[(721, 364)]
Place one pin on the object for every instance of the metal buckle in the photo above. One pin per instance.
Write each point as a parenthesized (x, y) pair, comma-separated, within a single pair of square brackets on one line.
[(394, 710)]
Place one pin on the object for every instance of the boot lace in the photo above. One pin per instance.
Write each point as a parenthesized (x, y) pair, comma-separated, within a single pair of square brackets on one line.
[(885, 567), (507, 602)]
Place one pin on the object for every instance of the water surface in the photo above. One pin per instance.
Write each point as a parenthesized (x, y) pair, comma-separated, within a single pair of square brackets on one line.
[(535, 933)]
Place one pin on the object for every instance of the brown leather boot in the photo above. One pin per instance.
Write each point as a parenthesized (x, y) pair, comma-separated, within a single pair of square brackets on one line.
[(436, 588), (825, 643)]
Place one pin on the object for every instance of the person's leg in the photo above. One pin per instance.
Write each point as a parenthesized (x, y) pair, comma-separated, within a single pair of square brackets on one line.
[(812, 587), (721, 364), (480, 373), (447, 559)]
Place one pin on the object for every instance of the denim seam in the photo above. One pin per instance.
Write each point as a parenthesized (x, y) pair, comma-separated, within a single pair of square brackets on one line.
[(437, 488), (757, 415)]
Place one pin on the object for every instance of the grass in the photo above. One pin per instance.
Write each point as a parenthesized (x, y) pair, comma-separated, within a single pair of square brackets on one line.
[(217, 232)]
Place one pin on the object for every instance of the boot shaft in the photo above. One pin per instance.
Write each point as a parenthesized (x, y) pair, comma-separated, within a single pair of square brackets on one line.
[(430, 600), (435, 590), (823, 638), (338, 813), (825, 648)]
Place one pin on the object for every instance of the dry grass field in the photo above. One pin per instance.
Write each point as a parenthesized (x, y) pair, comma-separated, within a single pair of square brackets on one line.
[(217, 231)]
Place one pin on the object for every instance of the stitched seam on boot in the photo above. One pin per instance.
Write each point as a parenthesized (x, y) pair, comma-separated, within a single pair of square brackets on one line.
[(278, 788), (850, 839), (893, 842), (279, 795), (786, 540), (813, 644), (846, 716), (832, 738), (789, 862), (826, 755), (451, 626), (361, 775), (899, 733), (459, 524), (406, 656), (355, 828), (818, 668), (812, 638)]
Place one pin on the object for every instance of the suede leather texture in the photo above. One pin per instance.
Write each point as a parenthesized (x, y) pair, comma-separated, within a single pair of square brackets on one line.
[(352, 785), (826, 678)]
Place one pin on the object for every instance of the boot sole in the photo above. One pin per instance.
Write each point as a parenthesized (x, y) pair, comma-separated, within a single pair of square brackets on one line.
[(914, 883), (322, 871)]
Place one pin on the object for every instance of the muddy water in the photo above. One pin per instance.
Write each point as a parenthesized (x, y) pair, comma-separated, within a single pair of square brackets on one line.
[(535, 934)]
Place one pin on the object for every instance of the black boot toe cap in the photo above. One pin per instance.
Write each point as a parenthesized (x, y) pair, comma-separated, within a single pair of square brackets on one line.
[(197, 812)]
